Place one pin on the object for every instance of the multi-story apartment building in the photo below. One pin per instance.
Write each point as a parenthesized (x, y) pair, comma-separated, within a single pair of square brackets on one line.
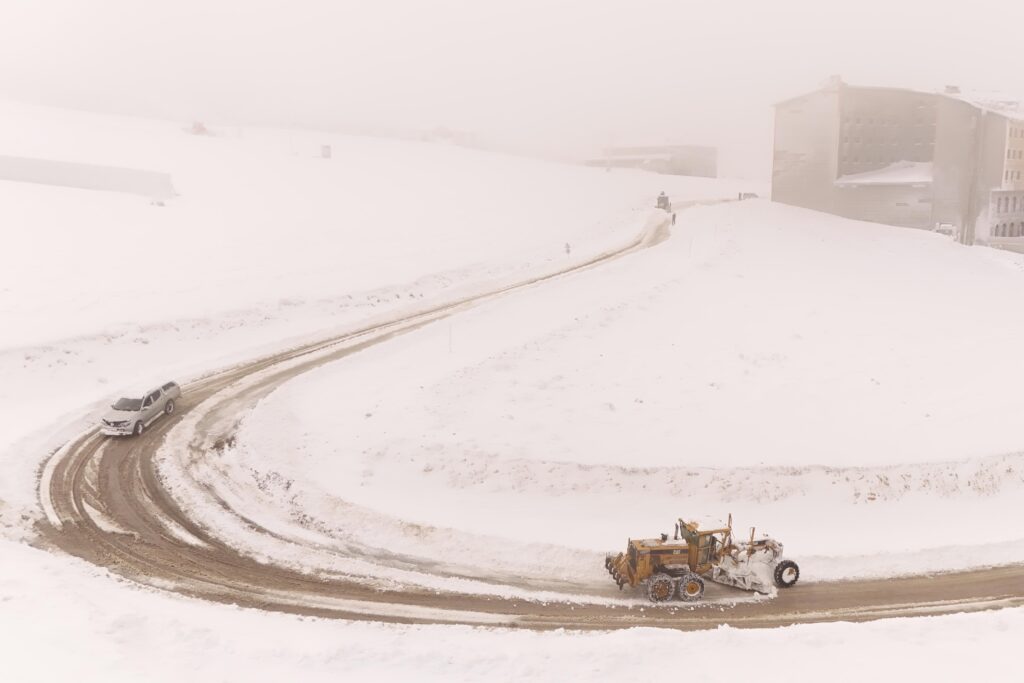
[(939, 161)]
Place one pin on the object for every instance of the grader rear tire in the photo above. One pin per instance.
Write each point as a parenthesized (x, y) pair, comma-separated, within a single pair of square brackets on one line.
[(691, 588), (660, 588)]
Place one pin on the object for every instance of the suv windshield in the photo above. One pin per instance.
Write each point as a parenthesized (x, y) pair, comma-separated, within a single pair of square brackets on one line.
[(128, 404)]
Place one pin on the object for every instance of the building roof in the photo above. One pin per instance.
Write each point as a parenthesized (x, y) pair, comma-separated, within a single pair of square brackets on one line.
[(989, 101), (899, 173), (996, 103)]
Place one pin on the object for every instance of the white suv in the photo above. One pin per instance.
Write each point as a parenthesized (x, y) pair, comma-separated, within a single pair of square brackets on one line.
[(133, 415)]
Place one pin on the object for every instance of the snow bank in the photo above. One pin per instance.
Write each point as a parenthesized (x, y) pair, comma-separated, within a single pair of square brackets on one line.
[(106, 630)]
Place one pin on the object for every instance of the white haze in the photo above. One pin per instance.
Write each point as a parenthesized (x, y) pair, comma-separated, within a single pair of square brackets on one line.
[(555, 78)]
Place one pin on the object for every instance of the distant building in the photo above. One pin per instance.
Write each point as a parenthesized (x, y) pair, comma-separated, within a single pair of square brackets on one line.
[(938, 161), (691, 160), (155, 185), (452, 136)]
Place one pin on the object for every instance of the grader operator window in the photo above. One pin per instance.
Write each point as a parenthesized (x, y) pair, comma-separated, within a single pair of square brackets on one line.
[(706, 550)]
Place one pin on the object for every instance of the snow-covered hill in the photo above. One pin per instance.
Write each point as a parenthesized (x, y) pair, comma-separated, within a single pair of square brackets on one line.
[(265, 244), (261, 220), (691, 379), (765, 361)]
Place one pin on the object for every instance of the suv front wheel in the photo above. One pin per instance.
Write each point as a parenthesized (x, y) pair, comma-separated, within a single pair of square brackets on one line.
[(138, 428)]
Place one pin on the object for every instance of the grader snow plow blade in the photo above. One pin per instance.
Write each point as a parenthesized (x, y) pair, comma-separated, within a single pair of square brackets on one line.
[(616, 566)]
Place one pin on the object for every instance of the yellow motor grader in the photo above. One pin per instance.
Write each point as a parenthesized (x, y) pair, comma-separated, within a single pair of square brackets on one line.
[(677, 568)]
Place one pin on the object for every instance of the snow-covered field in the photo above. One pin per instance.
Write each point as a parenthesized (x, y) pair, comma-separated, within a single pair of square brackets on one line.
[(840, 385), (764, 361), (267, 244), (61, 620)]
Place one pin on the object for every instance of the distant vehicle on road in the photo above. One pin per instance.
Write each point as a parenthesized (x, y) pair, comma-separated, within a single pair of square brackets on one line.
[(665, 204), (131, 415)]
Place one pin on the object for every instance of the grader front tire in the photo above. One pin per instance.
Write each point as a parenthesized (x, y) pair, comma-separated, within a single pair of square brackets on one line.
[(787, 573)]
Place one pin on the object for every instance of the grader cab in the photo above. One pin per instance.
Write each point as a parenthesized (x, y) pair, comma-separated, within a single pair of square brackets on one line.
[(665, 204), (677, 568)]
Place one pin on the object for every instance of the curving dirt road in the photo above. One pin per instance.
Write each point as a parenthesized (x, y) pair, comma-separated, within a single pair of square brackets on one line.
[(105, 504)]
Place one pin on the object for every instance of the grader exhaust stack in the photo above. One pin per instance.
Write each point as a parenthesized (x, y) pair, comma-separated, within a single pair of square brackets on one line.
[(678, 568)]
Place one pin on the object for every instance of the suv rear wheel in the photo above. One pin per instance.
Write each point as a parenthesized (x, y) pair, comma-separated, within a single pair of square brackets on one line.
[(169, 408)]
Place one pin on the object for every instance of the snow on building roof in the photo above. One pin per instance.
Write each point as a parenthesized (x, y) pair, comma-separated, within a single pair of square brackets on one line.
[(999, 103), (899, 173)]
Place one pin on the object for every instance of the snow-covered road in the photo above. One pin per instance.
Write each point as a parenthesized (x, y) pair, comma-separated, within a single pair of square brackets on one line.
[(106, 502)]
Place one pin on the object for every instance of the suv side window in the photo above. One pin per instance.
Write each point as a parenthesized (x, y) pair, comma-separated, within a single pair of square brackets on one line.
[(151, 399), (148, 401)]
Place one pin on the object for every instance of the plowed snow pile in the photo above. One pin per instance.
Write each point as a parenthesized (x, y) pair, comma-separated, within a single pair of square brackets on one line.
[(765, 360)]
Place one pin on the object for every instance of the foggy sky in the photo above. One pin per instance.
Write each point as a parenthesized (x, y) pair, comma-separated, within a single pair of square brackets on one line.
[(557, 77)]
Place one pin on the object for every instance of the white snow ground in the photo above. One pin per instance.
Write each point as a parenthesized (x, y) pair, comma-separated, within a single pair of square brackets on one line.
[(254, 245), (267, 245), (61, 620), (850, 388)]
